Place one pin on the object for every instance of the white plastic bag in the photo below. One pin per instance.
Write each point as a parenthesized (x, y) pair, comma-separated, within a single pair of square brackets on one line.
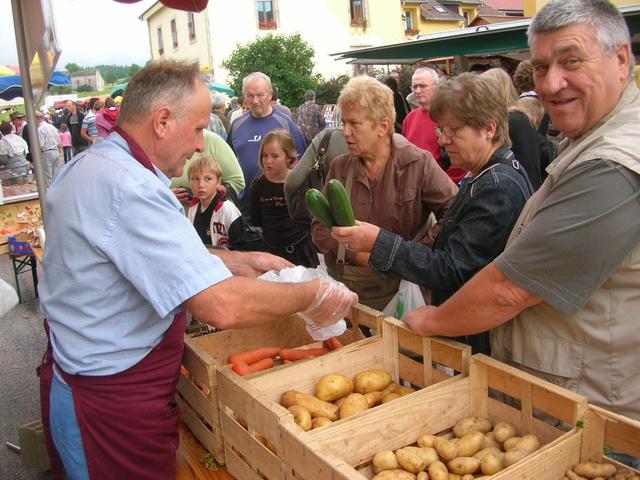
[(304, 274), (8, 297), (409, 297)]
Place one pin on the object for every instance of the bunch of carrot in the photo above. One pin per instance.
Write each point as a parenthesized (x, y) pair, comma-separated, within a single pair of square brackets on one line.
[(244, 363)]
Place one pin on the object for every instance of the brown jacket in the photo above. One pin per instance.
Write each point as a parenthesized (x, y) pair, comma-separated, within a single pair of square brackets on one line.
[(412, 186)]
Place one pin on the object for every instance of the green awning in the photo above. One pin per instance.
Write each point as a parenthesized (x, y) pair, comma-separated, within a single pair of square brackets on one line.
[(485, 39)]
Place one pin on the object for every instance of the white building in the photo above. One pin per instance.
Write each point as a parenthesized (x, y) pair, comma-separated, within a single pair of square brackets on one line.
[(329, 26)]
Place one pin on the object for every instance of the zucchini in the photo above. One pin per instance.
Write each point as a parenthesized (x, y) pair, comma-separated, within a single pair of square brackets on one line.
[(319, 207), (340, 204)]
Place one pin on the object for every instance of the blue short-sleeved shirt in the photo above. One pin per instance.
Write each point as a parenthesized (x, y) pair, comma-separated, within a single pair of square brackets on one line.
[(120, 260)]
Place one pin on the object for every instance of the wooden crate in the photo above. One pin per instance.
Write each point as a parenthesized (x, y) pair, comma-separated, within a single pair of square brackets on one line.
[(197, 394), (492, 390), (252, 415)]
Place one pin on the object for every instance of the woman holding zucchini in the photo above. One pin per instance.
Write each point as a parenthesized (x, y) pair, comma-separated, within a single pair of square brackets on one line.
[(471, 114), (389, 182)]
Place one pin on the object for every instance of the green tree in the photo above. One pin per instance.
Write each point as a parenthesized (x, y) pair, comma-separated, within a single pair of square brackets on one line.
[(288, 60), (73, 67), (329, 90), (133, 69)]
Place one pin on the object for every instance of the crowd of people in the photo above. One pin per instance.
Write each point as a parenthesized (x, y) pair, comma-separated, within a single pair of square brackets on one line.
[(526, 250)]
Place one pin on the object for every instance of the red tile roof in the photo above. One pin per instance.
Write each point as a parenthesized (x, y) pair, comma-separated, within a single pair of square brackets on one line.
[(506, 4)]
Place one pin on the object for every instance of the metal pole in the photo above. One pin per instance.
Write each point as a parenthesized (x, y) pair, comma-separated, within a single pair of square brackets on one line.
[(27, 93)]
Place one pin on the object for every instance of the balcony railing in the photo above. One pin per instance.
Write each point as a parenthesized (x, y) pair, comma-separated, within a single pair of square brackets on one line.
[(358, 22), (411, 31), (267, 25)]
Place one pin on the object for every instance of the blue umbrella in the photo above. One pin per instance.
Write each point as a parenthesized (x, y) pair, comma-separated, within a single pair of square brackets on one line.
[(118, 90), (219, 87), (11, 85)]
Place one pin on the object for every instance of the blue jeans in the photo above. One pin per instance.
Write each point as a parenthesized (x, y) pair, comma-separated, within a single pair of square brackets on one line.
[(65, 430)]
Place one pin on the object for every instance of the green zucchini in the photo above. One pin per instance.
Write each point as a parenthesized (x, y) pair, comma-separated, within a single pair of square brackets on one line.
[(319, 207), (340, 204)]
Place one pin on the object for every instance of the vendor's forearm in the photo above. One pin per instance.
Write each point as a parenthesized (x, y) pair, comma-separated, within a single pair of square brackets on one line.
[(239, 302), (486, 301)]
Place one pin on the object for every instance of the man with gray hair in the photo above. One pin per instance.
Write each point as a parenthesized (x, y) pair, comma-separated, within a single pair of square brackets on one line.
[(49, 141), (310, 119), (247, 131), (122, 264), (218, 108), (419, 128), (563, 298)]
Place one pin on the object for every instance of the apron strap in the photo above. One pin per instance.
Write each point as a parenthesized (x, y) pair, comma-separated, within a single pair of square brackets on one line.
[(341, 247)]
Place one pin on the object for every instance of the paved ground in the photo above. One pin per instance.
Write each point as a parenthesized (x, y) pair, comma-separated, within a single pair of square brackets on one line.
[(22, 342)]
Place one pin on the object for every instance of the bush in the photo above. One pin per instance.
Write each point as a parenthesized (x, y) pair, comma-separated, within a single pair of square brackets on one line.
[(84, 88), (329, 90)]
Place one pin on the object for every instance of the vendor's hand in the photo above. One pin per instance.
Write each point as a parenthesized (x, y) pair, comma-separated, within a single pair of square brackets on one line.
[(417, 319), (182, 194), (251, 264), (333, 301), (360, 238)]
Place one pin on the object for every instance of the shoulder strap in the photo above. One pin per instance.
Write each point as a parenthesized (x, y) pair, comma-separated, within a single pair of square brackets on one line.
[(341, 246), (322, 149)]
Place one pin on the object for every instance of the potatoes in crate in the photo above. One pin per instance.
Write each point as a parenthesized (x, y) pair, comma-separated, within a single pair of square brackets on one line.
[(333, 386), (471, 452), (606, 471)]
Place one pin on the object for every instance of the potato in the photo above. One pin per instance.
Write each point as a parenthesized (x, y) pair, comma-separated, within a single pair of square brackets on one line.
[(390, 397), (371, 381), (470, 444), (510, 443), (373, 398), (529, 443), (503, 431), (316, 407), (489, 451), (491, 464), (447, 449), (422, 476), (384, 460), (489, 441), (339, 402), (471, 424), (320, 422), (427, 441), (333, 386), (464, 465), (416, 459), (592, 470), (396, 474), (402, 391), (468, 476), (438, 471), (301, 416), (571, 475), (514, 455), (392, 387), (353, 404)]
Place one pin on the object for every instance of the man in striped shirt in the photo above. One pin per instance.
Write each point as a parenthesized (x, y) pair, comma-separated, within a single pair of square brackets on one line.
[(49, 145)]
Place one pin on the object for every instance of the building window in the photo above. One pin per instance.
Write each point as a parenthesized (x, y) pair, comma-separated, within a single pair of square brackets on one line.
[(467, 17), (266, 17), (160, 42), (191, 25), (174, 33), (358, 14)]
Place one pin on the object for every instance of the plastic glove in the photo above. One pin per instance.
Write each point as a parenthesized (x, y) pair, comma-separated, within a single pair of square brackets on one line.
[(333, 301)]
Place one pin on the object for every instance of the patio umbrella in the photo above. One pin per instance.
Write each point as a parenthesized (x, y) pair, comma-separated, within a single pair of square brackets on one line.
[(220, 88), (5, 70), (11, 85), (118, 90)]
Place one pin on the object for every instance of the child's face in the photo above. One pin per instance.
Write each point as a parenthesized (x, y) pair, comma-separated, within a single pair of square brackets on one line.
[(274, 161), (204, 184)]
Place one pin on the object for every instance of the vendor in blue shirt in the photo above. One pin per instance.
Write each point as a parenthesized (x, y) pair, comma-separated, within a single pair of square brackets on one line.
[(121, 264), (247, 132)]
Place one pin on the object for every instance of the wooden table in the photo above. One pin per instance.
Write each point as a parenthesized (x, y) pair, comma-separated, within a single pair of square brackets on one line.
[(189, 465)]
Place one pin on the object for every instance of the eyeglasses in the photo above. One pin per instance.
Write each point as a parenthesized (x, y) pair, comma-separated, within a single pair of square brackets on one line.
[(421, 86), (448, 130)]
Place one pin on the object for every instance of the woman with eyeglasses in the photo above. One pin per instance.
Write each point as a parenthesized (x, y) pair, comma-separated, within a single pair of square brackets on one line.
[(471, 115)]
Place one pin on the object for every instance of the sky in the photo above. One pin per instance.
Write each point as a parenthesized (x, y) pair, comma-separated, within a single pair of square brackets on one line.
[(90, 32)]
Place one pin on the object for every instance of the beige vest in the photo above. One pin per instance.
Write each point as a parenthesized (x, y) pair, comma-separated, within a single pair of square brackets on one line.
[(597, 351)]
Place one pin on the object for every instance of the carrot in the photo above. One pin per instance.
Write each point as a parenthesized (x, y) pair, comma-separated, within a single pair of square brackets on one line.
[(290, 354), (252, 356), (241, 368), (332, 343), (263, 364)]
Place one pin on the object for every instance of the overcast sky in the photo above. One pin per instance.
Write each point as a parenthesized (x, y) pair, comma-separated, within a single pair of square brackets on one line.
[(90, 32)]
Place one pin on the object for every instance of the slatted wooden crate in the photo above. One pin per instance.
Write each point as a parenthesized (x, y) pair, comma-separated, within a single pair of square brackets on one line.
[(492, 390), (197, 393), (252, 416)]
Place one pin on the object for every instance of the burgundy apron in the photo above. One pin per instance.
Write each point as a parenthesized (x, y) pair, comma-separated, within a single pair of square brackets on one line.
[(128, 421)]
